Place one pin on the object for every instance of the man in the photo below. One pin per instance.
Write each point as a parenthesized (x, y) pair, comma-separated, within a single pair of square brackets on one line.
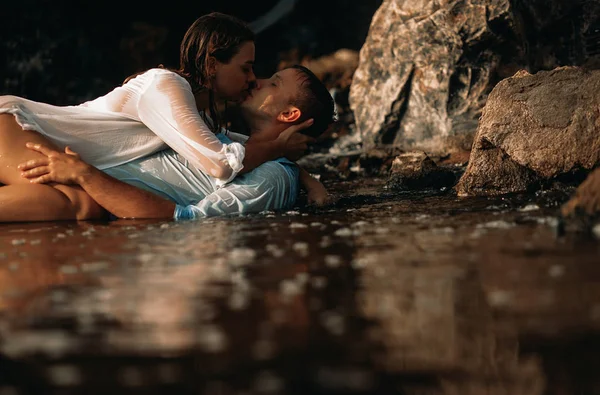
[(163, 185)]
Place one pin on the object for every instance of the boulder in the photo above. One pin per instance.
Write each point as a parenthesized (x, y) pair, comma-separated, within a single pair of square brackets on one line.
[(427, 66), (425, 70), (534, 129), (416, 170)]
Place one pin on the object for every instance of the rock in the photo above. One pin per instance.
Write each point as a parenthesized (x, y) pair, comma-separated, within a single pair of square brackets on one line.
[(330, 166), (415, 170), (427, 66), (585, 203), (535, 128), (377, 161), (425, 71), (374, 162)]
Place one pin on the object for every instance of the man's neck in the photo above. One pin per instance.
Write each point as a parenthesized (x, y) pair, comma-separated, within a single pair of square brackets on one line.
[(265, 129)]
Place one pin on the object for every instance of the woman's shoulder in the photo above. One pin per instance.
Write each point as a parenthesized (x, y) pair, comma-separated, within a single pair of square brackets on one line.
[(167, 76), (158, 73), (164, 72), (161, 70)]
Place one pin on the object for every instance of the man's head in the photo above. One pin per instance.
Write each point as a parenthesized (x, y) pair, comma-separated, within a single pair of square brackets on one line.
[(290, 96)]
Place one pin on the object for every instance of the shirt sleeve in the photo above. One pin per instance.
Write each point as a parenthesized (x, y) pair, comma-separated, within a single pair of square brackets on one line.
[(168, 108), (271, 186)]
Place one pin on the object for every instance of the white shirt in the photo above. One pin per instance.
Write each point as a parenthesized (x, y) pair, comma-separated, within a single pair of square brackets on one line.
[(274, 185), (154, 110)]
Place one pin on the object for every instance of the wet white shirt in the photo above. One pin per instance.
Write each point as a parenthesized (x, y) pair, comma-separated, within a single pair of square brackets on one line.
[(274, 185), (151, 112)]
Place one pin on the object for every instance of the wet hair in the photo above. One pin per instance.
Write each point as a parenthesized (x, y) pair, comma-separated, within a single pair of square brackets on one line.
[(314, 101), (215, 35), (220, 36)]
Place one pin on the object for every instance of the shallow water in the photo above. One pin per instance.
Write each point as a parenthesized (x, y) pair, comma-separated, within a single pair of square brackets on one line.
[(382, 293)]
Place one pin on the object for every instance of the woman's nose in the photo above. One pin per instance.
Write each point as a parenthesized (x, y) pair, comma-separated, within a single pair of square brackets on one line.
[(251, 79)]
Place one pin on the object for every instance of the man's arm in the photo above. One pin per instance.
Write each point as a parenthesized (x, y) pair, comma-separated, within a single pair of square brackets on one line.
[(119, 198), (315, 190)]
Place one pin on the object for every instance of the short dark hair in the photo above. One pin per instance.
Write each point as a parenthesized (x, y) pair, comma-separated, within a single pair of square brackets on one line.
[(315, 101)]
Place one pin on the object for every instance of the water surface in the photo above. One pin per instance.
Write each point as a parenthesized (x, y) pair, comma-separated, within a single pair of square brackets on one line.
[(381, 293)]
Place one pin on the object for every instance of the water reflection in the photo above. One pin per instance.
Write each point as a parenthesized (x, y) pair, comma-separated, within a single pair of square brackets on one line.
[(381, 294)]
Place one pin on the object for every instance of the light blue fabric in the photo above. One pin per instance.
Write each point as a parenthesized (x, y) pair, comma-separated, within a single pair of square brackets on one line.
[(272, 186)]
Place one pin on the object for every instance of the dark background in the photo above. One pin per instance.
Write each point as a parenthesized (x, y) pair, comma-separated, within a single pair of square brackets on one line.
[(66, 52)]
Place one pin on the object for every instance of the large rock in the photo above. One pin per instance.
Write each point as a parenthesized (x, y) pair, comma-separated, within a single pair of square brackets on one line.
[(415, 170), (535, 128), (425, 70), (427, 66)]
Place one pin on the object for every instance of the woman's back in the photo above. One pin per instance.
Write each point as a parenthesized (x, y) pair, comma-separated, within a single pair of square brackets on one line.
[(125, 99), (103, 138)]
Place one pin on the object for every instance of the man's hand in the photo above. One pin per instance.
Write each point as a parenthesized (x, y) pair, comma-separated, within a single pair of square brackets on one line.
[(63, 168), (317, 195), (294, 144)]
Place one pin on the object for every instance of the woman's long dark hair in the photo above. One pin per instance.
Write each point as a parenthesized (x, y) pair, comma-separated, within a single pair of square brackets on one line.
[(218, 35)]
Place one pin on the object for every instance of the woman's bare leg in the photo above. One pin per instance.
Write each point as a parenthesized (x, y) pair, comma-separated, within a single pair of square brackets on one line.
[(22, 201), (13, 151), (36, 202)]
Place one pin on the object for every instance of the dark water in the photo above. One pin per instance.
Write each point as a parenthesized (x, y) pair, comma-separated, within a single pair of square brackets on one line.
[(382, 294)]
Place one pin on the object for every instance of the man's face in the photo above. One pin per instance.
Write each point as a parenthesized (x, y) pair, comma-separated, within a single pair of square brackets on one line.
[(273, 96)]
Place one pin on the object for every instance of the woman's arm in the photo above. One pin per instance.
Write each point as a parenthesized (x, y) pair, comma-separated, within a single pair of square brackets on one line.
[(119, 198), (289, 144)]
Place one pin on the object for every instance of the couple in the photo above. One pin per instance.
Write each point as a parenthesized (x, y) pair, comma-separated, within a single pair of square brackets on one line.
[(124, 135)]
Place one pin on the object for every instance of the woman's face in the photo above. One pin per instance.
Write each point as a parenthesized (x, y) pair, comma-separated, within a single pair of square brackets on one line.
[(233, 79)]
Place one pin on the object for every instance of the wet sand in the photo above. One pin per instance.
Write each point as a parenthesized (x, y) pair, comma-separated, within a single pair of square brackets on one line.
[(383, 293)]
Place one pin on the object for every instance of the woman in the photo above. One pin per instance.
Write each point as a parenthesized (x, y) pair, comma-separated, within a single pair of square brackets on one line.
[(153, 109)]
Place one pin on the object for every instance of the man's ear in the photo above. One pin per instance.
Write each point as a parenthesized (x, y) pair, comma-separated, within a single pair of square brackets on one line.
[(291, 114)]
